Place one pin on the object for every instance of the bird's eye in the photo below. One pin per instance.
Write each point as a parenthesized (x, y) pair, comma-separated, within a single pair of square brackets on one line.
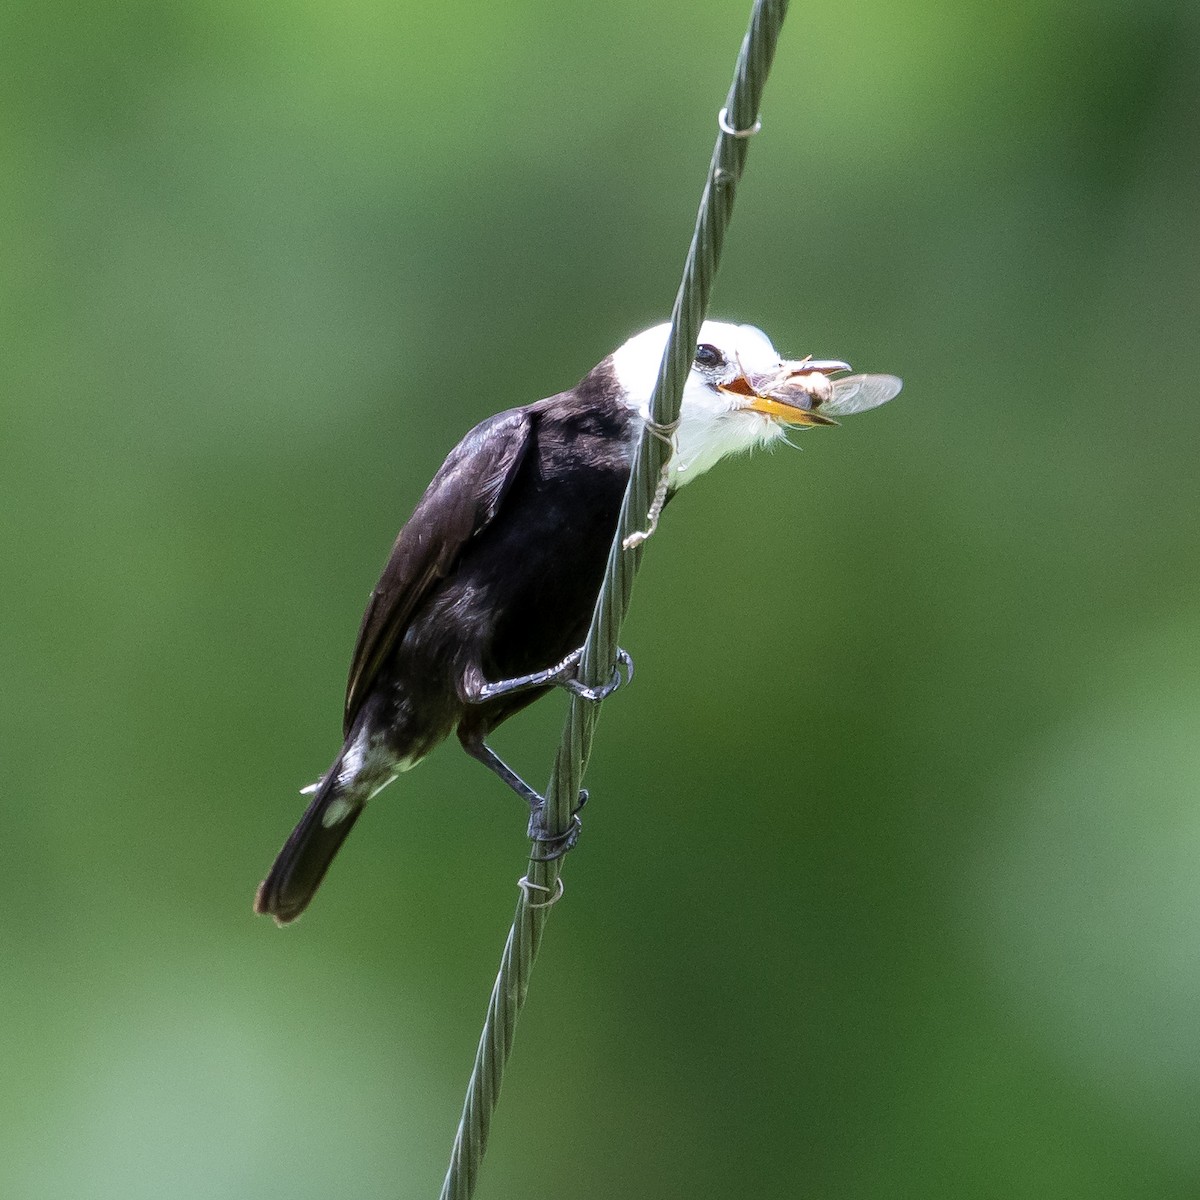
[(709, 357)]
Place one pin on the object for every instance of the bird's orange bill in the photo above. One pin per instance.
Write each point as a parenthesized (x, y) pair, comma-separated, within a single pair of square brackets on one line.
[(779, 410)]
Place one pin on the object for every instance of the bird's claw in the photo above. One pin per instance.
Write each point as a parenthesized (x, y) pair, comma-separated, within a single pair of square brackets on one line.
[(555, 845), (596, 694)]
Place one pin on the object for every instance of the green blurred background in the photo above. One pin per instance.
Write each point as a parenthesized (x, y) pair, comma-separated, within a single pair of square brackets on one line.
[(917, 709)]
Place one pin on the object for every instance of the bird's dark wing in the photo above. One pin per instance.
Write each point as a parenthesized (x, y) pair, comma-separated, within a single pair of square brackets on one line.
[(463, 498)]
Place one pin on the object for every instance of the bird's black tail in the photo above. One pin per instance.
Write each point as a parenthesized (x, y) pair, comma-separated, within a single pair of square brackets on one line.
[(301, 864)]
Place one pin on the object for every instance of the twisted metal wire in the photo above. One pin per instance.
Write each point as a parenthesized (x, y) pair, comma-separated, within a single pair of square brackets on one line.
[(599, 655)]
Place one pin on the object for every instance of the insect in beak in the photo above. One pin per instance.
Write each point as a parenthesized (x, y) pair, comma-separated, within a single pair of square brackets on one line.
[(791, 395)]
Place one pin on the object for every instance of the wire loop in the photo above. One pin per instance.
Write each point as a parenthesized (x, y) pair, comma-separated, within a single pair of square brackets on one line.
[(723, 122), (664, 432), (527, 885)]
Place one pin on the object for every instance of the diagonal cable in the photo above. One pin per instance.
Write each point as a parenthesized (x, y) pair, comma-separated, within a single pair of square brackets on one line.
[(738, 120)]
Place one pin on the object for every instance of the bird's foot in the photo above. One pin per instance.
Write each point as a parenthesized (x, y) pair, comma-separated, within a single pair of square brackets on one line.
[(554, 845), (596, 694)]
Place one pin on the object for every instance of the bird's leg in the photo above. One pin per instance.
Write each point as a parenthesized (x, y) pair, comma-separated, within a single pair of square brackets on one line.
[(559, 843), (522, 683), (562, 674), (479, 750)]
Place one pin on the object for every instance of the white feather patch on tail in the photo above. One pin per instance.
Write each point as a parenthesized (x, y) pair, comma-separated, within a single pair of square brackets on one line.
[(338, 810)]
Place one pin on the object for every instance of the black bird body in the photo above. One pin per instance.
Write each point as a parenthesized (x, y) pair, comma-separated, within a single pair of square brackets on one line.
[(494, 577), (532, 496)]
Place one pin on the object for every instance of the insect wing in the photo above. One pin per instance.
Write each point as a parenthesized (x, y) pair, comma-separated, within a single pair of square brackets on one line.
[(859, 393)]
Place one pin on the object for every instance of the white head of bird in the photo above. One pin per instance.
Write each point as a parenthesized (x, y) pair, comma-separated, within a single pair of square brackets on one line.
[(740, 393)]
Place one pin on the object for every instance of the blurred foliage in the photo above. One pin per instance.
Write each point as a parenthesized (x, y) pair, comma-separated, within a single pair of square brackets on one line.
[(916, 712)]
